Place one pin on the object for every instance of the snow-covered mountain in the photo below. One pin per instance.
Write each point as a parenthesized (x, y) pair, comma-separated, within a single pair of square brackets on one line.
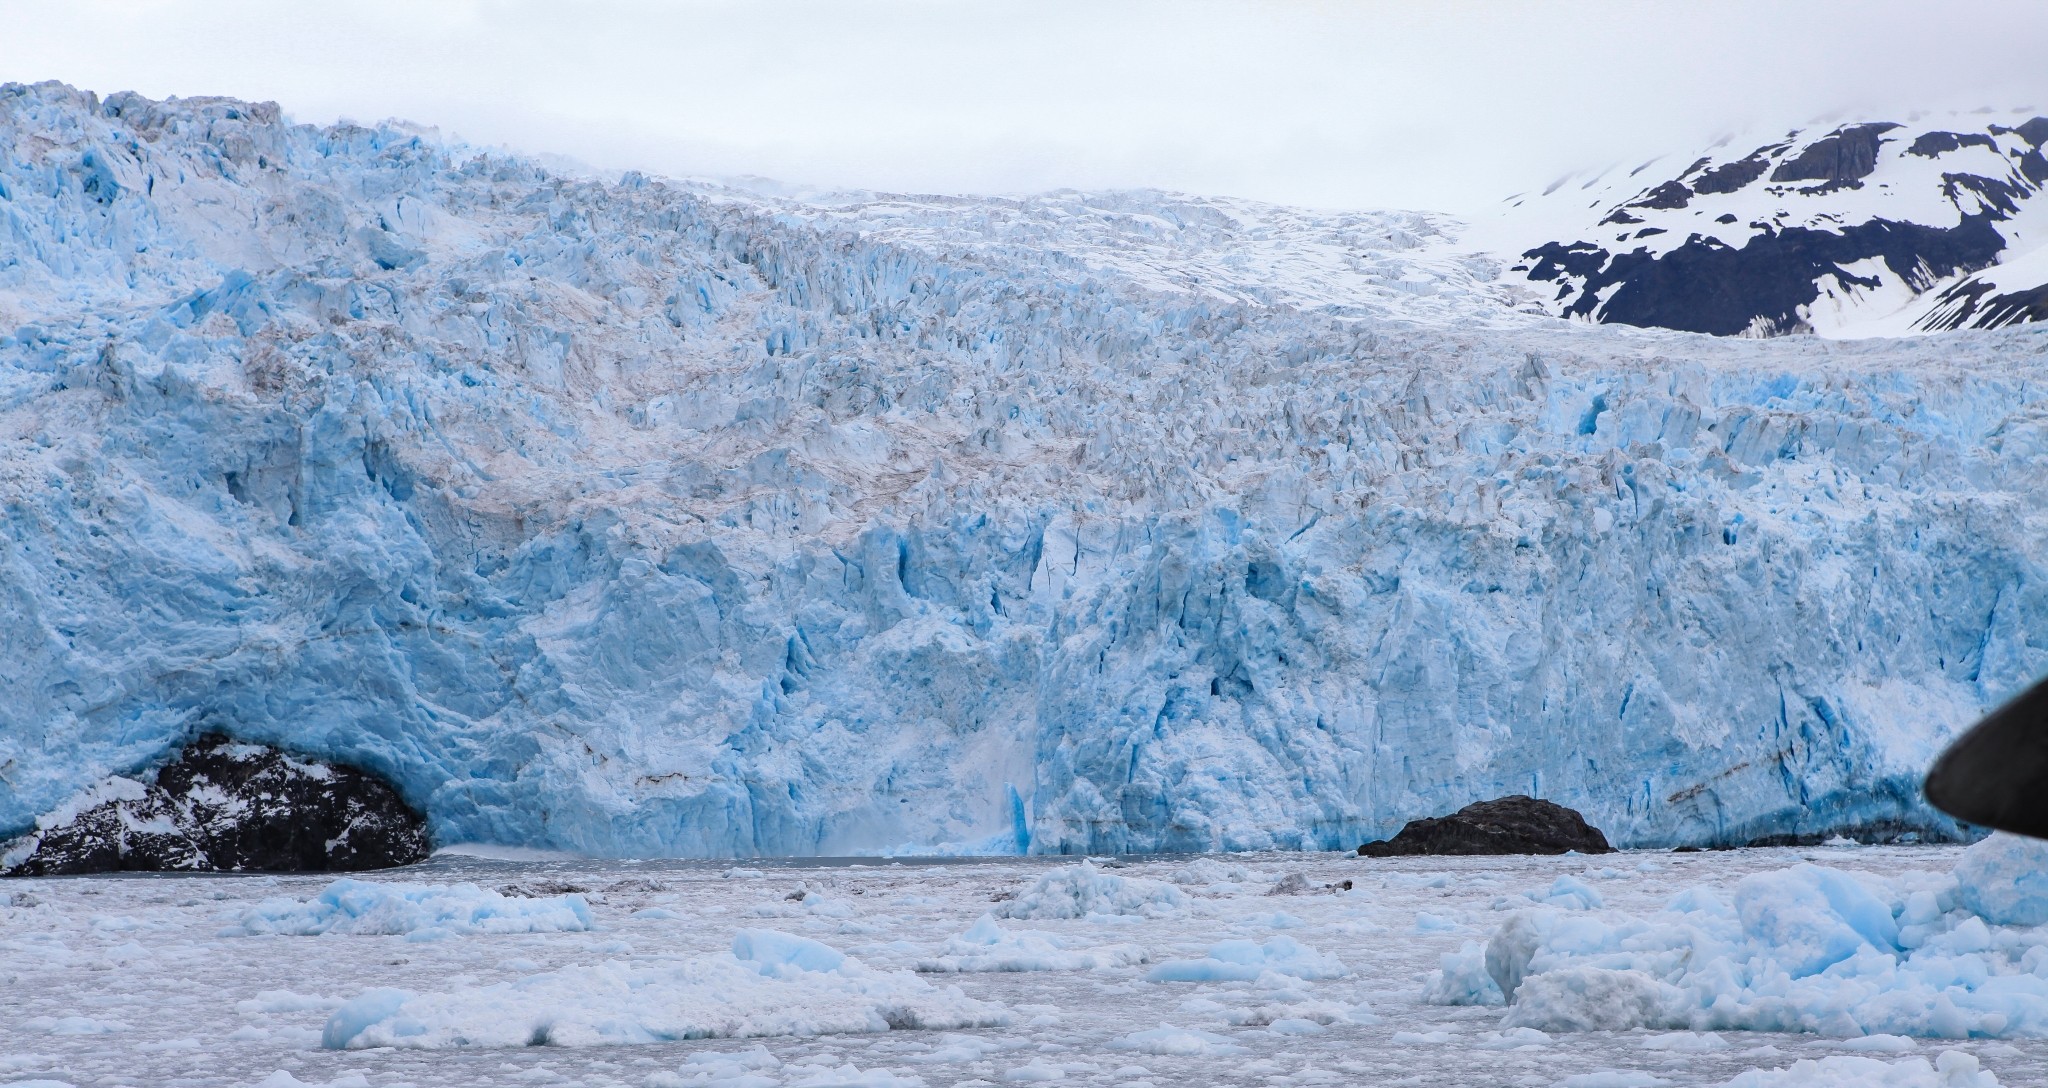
[(1870, 228), (640, 517)]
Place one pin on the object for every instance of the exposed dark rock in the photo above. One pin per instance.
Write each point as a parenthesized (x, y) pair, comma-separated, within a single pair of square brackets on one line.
[(2034, 132), (1670, 195), (1995, 193), (222, 805), (1930, 144), (1766, 280), (1506, 825), (1709, 286), (1729, 177), (1845, 155), (1976, 304)]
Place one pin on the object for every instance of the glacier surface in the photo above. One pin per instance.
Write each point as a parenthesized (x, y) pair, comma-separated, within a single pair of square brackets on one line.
[(634, 517)]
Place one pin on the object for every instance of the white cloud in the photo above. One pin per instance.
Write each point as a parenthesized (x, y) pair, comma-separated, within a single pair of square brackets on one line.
[(1449, 106)]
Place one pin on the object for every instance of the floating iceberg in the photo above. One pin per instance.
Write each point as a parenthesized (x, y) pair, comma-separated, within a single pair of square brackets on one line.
[(2004, 880), (1077, 891), (421, 910), (772, 984), (1952, 1069), (987, 946), (1807, 949), (1208, 872), (1178, 1042), (1242, 960)]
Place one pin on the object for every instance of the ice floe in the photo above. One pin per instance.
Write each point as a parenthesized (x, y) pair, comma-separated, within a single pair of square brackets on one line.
[(420, 911), (772, 984), (1806, 948)]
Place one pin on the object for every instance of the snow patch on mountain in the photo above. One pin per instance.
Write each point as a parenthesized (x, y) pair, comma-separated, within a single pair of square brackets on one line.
[(1862, 229)]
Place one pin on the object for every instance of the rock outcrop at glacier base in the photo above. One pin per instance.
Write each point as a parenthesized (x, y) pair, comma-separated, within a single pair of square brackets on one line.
[(643, 518), (225, 806)]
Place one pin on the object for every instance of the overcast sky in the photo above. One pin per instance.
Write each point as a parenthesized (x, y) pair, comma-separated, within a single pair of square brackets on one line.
[(1450, 106)]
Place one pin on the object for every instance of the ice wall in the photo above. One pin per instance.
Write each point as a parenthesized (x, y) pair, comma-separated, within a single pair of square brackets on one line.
[(635, 518)]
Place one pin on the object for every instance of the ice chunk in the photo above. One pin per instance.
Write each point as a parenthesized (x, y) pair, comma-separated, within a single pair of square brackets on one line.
[(1513, 1039), (1690, 1042), (2004, 880), (425, 910), (781, 955), (1572, 893), (1178, 1042), (1612, 1078), (1204, 871), (986, 946), (794, 989), (1463, 979), (1800, 949), (1953, 1069), (1423, 1038), (1077, 891), (1590, 999), (1242, 960), (1510, 949), (359, 1013), (1813, 918), (76, 1025), (743, 1069), (285, 1001), (849, 1076), (1879, 1044)]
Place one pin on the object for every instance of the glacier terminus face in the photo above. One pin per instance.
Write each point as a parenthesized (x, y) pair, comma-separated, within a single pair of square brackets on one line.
[(631, 517)]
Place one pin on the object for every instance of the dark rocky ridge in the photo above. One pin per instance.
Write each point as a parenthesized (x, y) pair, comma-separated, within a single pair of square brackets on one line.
[(1849, 154), (1505, 825), (1708, 286), (1974, 303), (1799, 231), (222, 805)]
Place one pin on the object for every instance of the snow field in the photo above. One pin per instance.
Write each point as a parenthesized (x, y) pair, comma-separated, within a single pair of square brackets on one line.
[(107, 983)]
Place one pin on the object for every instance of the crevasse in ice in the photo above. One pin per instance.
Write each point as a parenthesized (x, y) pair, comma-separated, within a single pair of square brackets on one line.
[(631, 517)]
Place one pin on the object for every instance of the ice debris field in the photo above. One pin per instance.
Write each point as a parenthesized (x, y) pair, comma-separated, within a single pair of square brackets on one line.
[(1908, 967)]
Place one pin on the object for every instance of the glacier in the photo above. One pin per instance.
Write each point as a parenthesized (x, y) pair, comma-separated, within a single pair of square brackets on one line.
[(636, 517)]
